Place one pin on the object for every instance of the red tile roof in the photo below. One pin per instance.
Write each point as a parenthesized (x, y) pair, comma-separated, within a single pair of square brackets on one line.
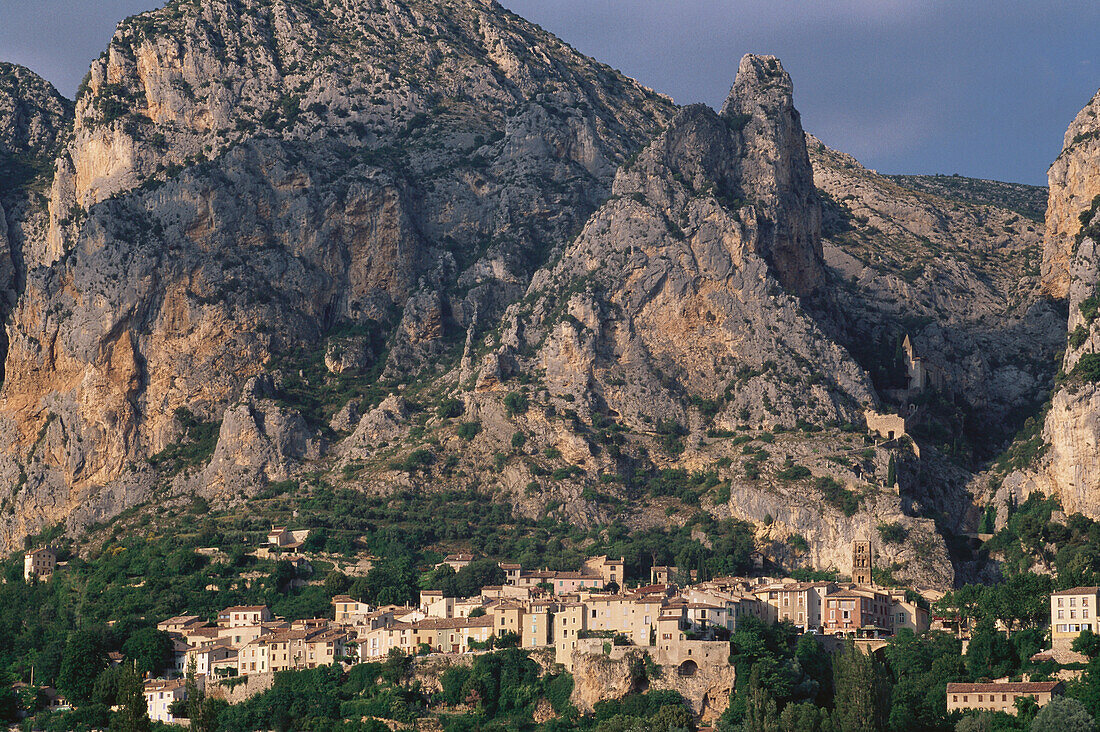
[(1008, 687)]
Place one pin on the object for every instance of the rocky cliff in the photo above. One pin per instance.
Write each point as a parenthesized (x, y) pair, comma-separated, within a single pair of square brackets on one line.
[(960, 279), (242, 178), (1067, 457), (34, 121), (412, 244), (1074, 179)]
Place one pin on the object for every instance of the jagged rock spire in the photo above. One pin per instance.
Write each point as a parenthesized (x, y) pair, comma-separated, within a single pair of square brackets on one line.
[(777, 176)]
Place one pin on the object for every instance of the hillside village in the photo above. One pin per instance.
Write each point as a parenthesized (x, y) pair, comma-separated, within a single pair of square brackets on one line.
[(393, 365), (570, 617)]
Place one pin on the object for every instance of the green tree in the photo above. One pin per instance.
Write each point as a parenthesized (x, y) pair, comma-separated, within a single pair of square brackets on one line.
[(981, 722), (1087, 644), (84, 657), (921, 667), (283, 574), (1087, 688), (805, 717), (133, 713), (1063, 714), (392, 581), (337, 583), (150, 648), (862, 691), (202, 712), (761, 713), (9, 704), (990, 654)]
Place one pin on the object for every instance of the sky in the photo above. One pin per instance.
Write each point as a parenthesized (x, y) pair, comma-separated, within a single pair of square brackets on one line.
[(984, 88)]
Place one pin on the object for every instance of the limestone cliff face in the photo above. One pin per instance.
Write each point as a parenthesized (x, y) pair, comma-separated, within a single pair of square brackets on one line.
[(598, 677), (1069, 467), (673, 287), (410, 243), (669, 315), (34, 120), (242, 177), (777, 177), (1074, 181), (958, 278)]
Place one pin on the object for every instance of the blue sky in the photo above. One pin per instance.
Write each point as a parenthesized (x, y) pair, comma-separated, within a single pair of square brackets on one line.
[(978, 87)]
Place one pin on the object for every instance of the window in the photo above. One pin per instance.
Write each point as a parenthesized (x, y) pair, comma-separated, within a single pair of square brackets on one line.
[(1072, 601), (1059, 602), (1061, 614)]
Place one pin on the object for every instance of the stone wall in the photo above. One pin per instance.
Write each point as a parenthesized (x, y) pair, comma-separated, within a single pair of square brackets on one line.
[(235, 692), (890, 426), (598, 676)]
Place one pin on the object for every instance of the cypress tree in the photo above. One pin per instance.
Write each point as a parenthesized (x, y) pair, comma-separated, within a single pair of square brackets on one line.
[(862, 691), (133, 713)]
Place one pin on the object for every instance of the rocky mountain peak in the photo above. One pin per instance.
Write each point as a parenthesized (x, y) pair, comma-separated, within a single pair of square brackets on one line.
[(777, 175), (245, 179), (33, 114), (1074, 179), (34, 119)]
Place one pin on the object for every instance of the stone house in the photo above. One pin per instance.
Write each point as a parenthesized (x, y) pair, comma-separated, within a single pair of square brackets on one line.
[(569, 621), (905, 613), (240, 616), (207, 657), (561, 583), (734, 603), (999, 696), (887, 426), (159, 696), (538, 624), (241, 635), (39, 563), (1072, 611), (181, 624), (283, 538), (679, 647), (298, 648), (457, 561), (441, 635), (850, 610), (801, 603), (511, 572), (633, 615), (663, 575), (920, 374), (609, 570), (507, 617), (347, 610)]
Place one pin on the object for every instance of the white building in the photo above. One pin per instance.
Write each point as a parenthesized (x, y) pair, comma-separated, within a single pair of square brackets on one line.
[(159, 696)]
